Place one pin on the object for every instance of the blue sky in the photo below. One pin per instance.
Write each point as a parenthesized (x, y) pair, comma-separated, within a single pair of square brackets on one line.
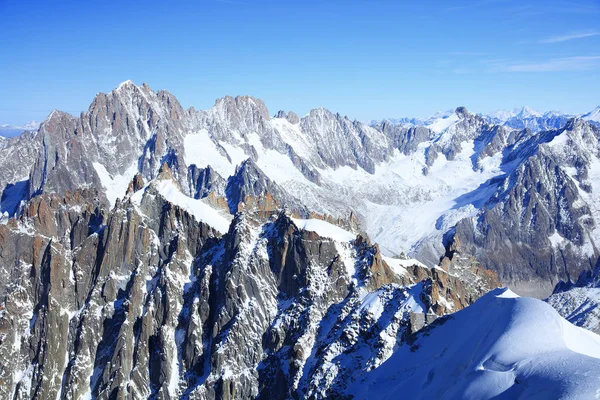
[(364, 59)]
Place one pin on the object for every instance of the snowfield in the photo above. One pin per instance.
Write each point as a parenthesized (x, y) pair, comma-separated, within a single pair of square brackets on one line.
[(324, 229), (201, 211), (501, 347), (400, 207)]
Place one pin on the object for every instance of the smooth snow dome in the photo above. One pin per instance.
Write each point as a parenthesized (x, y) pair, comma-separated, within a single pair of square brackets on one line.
[(324, 229), (502, 347)]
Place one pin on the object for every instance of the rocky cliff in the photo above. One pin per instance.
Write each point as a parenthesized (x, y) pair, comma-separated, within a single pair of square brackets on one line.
[(146, 301)]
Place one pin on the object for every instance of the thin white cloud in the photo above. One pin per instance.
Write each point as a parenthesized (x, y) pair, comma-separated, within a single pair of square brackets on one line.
[(467, 53), (579, 63), (570, 36)]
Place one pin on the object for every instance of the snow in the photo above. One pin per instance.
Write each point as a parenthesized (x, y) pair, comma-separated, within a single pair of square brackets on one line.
[(399, 207), (291, 134), (556, 239), (125, 83), (173, 386), (202, 151), (324, 229), (372, 304), (441, 124), (593, 200), (280, 168), (593, 115), (559, 140), (198, 208), (579, 305), (500, 347), (348, 257), (399, 265), (528, 112), (415, 206), (115, 186), (507, 294)]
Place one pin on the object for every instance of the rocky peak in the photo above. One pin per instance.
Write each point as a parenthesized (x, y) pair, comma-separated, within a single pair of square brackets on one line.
[(55, 120), (137, 183), (528, 112), (576, 124), (241, 108), (250, 189), (291, 116), (462, 112)]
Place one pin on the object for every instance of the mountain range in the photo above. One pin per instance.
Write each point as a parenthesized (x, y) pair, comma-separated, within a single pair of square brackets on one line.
[(517, 118), (152, 251), (7, 130)]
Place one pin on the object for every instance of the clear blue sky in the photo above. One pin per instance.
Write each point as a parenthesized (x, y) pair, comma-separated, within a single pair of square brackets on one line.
[(364, 59)]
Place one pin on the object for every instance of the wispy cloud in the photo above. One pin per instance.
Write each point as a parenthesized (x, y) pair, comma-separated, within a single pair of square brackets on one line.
[(570, 36), (578, 63), (466, 53)]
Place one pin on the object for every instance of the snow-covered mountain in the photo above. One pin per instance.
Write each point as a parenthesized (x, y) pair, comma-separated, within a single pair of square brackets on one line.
[(415, 121), (502, 346), (528, 118), (517, 118), (8, 130), (151, 251), (579, 302), (413, 189), (593, 115)]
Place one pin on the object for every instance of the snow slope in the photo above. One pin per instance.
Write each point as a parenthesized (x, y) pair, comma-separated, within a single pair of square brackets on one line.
[(441, 124), (114, 186), (324, 229), (398, 205), (201, 211), (579, 305), (501, 347), (593, 115)]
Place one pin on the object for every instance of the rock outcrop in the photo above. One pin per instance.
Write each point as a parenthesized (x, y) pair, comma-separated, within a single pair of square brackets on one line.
[(145, 301)]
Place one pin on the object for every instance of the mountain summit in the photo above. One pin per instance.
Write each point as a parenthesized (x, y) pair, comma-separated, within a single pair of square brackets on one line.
[(149, 251)]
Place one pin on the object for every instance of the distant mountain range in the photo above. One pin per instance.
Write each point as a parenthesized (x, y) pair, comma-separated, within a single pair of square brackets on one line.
[(8, 130), (517, 118)]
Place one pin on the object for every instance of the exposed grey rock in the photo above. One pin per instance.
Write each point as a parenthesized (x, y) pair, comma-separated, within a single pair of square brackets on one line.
[(406, 139), (135, 130), (537, 200), (144, 301), (203, 181), (293, 118), (17, 156), (579, 302), (340, 141), (250, 185)]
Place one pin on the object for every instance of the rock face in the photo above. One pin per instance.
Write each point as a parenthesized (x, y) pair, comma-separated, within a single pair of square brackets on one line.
[(522, 202), (579, 302), (145, 301), (17, 156), (147, 251), (548, 202)]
